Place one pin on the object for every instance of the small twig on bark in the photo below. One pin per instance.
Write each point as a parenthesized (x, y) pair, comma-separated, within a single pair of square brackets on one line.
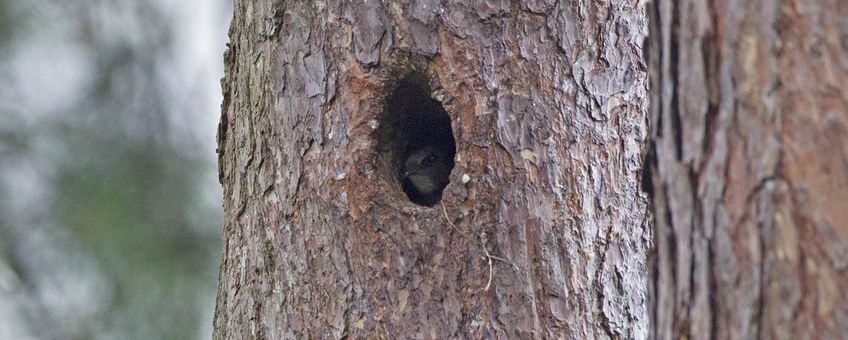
[(482, 242)]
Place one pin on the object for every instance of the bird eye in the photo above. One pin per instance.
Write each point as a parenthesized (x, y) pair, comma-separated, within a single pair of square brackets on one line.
[(429, 159)]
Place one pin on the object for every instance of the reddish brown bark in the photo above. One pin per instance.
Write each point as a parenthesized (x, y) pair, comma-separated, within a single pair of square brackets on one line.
[(750, 116), (548, 106)]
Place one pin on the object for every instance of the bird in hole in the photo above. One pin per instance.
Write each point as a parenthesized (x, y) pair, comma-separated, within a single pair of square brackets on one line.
[(428, 169)]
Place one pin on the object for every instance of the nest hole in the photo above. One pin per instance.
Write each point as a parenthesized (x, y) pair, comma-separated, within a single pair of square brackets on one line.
[(416, 141)]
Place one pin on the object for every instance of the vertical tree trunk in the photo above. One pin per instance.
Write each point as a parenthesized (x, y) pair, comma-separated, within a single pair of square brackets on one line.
[(543, 229), (751, 180)]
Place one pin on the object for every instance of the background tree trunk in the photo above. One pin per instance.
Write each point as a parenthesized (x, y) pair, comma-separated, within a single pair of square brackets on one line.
[(751, 169), (548, 106)]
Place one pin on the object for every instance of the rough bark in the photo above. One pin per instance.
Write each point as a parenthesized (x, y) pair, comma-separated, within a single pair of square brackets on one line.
[(749, 102), (548, 239)]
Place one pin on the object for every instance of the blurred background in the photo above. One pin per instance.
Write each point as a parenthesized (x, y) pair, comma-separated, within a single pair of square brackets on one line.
[(110, 211)]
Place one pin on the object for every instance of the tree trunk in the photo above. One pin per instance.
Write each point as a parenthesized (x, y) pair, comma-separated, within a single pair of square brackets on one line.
[(543, 230), (751, 169)]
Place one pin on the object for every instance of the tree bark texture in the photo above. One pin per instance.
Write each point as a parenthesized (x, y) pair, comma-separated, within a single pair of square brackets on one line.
[(544, 229), (749, 102)]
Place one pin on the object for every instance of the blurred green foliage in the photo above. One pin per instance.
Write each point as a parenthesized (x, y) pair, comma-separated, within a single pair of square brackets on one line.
[(122, 170)]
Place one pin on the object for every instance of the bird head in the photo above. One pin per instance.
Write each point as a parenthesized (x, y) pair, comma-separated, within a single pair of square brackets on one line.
[(427, 169)]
